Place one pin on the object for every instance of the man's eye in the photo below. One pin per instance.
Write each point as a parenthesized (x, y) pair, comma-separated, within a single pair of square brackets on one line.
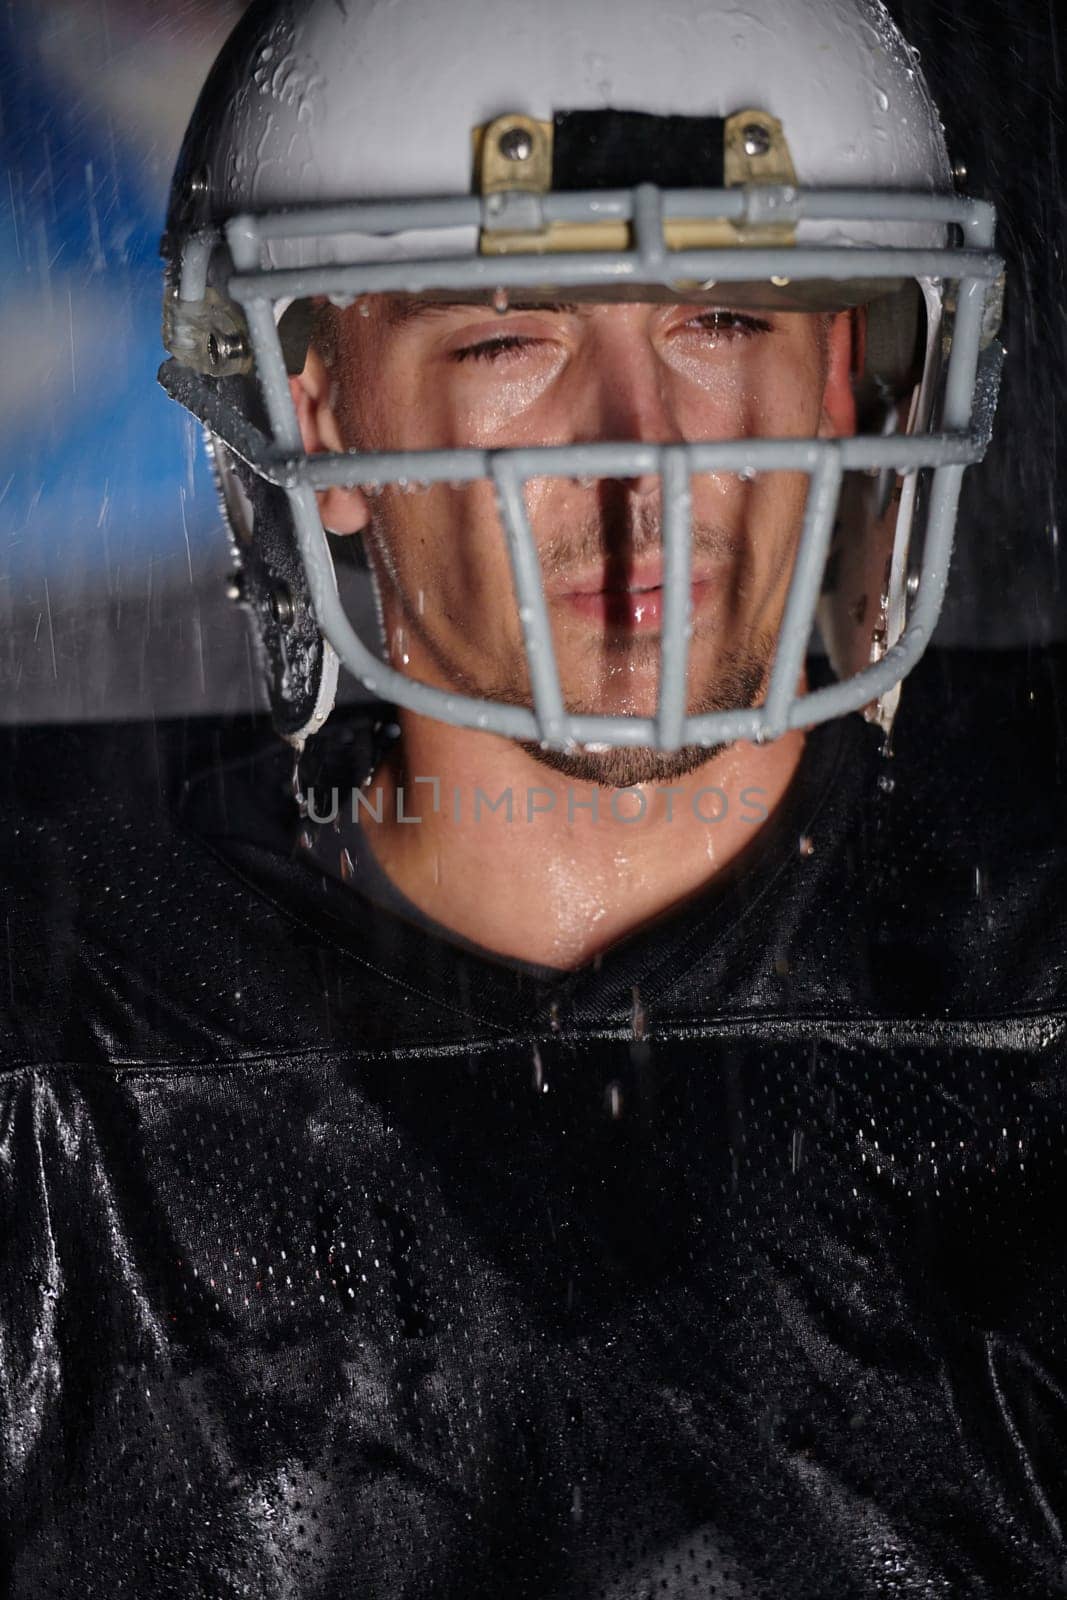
[(729, 324), (491, 349)]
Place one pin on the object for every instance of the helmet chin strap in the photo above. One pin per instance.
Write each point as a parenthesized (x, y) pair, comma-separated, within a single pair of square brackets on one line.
[(324, 699)]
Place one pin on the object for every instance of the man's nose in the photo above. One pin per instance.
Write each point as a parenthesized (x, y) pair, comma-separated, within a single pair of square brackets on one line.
[(627, 400)]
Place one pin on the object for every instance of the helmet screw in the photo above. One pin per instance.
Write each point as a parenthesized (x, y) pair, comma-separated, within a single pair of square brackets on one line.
[(200, 182), (224, 347), (755, 138), (515, 144), (913, 584), (959, 172), (281, 604)]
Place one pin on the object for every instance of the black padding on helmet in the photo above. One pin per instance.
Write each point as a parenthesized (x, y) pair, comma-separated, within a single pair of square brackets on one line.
[(617, 149)]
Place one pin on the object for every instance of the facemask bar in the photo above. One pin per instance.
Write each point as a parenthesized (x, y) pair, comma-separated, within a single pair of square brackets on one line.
[(281, 460)]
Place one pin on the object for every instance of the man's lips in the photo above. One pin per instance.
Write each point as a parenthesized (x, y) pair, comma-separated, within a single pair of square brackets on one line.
[(630, 578), (633, 601)]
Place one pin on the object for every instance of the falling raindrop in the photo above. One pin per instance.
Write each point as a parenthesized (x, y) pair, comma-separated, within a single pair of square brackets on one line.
[(296, 788)]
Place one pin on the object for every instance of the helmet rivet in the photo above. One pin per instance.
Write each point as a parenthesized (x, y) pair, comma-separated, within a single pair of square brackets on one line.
[(756, 139), (200, 182), (223, 347), (281, 604), (515, 144), (959, 172), (913, 584)]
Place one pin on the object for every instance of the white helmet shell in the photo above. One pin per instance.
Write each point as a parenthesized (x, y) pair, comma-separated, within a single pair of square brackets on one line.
[(372, 99)]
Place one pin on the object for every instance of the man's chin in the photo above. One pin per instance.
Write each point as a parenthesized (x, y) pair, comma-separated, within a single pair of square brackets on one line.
[(739, 684), (625, 768)]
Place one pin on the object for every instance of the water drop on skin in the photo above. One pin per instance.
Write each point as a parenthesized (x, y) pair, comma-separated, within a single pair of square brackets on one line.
[(500, 300)]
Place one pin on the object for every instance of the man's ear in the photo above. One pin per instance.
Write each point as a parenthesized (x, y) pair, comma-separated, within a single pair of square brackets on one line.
[(845, 353), (343, 510)]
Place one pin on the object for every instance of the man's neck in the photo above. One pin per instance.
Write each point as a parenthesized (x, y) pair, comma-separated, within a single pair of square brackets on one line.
[(528, 863)]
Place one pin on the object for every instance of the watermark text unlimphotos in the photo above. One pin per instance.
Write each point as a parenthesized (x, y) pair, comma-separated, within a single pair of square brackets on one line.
[(709, 804)]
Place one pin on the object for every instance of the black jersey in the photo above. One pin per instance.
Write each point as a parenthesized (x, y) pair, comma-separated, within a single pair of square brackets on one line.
[(340, 1260)]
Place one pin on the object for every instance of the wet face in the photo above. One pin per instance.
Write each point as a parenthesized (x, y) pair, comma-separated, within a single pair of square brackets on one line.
[(407, 375)]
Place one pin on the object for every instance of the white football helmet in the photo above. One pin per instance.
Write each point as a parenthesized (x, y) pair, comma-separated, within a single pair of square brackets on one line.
[(783, 155)]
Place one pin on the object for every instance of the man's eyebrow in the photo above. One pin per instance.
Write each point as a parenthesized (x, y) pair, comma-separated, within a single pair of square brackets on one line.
[(406, 309)]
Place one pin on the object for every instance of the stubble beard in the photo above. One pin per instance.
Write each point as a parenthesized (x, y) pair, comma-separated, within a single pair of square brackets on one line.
[(740, 682), (740, 675), (739, 685)]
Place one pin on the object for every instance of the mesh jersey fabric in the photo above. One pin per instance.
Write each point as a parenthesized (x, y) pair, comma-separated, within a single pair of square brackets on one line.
[(341, 1260)]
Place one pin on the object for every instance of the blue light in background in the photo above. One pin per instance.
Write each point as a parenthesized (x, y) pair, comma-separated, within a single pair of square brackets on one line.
[(99, 472)]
